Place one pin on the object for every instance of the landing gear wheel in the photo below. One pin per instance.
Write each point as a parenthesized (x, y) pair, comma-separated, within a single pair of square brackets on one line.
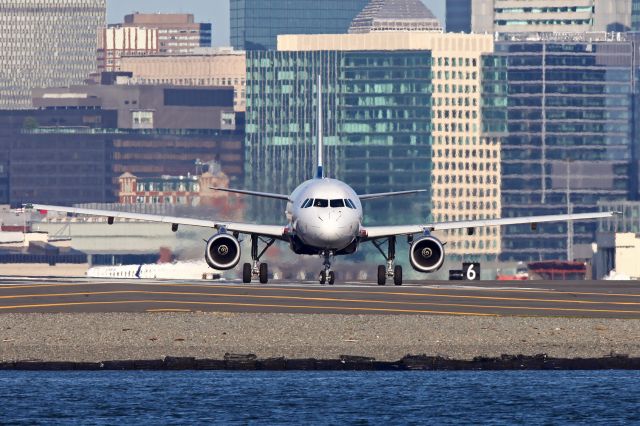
[(397, 275), (323, 277), (382, 275), (246, 273), (264, 273), (331, 278)]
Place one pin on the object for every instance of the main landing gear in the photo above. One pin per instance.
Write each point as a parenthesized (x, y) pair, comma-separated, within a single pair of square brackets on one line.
[(257, 270), (327, 275), (390, 270)]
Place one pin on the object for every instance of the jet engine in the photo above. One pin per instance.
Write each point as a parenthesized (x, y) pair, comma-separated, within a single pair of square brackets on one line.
[(223, 252), (426, 254)]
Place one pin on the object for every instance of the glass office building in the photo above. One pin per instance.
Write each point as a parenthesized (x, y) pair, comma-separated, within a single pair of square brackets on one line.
[(377, 135), (256, 24), (570, 136), (635, 15), (46, 43), (458, 16), (403, 111)]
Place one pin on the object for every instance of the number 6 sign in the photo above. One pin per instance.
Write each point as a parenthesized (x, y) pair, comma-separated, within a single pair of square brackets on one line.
[(471, 271)]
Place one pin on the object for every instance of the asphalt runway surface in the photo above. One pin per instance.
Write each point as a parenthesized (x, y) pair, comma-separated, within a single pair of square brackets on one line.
[(589, 299)]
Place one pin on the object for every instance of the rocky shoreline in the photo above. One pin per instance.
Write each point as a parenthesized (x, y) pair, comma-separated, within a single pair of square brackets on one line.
[(250, 362), (253, 341)]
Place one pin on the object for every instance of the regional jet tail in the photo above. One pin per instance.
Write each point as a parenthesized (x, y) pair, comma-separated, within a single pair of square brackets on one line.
[(323, 217)]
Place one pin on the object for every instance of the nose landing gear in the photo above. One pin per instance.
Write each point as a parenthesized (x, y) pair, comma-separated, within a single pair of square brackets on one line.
[(390, 270), (327, 275), (257, 269)]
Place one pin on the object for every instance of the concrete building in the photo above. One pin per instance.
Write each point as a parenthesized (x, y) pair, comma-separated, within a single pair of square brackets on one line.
[(116, 41), (147, 106), (46, 43), (402, 110), (539, 16), (567, 106), (618, 241), (46, 161), (75, 146), (256, 24), (205, 67), (177, 32)]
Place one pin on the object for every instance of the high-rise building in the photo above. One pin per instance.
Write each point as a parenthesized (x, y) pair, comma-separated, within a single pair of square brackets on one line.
[(204, 67), (565, 16), (635, 15), (256, 24), (177, 32), (116, 41), (402, 110), (46, 43), (458, 16), (570, 144)]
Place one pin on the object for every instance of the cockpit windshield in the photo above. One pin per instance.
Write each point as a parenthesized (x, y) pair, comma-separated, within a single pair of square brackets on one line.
[(320, 202)]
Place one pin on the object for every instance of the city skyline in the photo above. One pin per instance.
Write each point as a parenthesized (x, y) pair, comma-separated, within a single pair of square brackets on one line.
[(215, 12)]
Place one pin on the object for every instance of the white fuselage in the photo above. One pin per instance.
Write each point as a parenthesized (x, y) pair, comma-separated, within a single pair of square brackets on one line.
[(325, 214)]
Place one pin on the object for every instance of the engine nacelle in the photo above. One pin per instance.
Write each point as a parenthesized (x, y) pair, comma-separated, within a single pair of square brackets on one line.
[(222, 252), (426, 254)]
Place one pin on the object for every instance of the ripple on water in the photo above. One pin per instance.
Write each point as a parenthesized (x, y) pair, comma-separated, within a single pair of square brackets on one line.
[(109, 397)]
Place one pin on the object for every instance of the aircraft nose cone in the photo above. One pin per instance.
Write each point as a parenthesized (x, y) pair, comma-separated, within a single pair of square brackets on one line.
[(328, 232)]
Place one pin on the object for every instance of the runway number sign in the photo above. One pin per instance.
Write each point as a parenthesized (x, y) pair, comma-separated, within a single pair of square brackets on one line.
[(471, 271)]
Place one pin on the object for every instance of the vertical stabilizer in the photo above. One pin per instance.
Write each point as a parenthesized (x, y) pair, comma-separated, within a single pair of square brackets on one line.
[(320, 170)]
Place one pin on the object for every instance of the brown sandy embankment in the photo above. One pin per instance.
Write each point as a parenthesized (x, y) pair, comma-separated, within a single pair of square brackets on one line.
[(94, 338)]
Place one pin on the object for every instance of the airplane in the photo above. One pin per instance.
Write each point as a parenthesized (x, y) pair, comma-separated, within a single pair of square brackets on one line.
[(324, 217)]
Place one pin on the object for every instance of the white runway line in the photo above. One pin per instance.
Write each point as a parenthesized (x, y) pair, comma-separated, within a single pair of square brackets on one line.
[(475, 287)]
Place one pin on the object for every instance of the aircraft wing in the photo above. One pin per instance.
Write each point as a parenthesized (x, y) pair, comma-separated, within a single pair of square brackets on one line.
[(273, 231), (374, 232), (254, 193), (388, 194)]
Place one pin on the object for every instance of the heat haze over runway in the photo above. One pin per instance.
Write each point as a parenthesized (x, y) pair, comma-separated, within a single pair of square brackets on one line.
[(595, 299)]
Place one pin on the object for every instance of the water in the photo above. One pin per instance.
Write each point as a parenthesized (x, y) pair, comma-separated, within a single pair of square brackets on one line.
[(109, 397)]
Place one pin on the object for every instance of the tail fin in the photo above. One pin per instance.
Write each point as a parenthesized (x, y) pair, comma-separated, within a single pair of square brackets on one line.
[(320, 170)]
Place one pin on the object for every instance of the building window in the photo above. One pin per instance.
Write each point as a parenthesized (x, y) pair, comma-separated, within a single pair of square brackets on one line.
[(142, 119)]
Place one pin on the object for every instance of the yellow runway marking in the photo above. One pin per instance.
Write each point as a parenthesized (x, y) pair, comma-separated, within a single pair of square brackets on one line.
[(322, 299), (318, 290), (258, 305), (168, 310), (326, 299), (345, 290), (339, 289)]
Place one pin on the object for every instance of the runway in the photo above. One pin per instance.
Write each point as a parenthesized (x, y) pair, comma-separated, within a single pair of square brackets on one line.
[(589, 299)]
